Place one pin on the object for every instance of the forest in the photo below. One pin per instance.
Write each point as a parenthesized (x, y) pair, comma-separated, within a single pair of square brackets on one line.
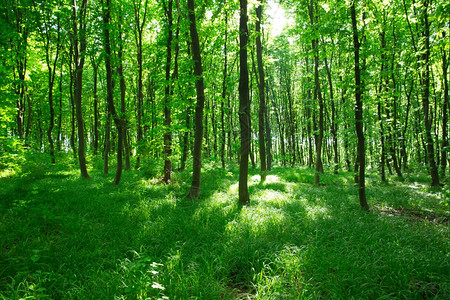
[(224, 149)]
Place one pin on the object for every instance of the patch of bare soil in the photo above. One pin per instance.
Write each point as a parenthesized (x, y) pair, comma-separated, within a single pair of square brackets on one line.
[(438, 218)]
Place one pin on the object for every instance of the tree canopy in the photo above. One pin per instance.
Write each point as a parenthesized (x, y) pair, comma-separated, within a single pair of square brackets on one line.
[(354, 85)]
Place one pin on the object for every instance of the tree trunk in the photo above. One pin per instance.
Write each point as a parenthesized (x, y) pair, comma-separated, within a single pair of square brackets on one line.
[(79, 43), (445, 108), (96, 114), (405, 127), (262, 93), (428, 117), (138, 29), (58, 134), (309, 117), (167, 111), (52, 111), (198, 73), (51, 67), (72, 104), (359, 114), (107, 145), (317, 96), (244, 105), (224, 92), (383, 149), (334, 124), (122, 117), (110, 93), (268, 136)]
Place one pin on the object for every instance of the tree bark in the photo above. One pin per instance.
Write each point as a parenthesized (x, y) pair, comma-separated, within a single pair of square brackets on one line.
[(72, 102), (110, 93), (262, 93), (428, 117), (445, 108), (334, 124), (224, 92), (79, 43), (268, 135), (58, 134), (244, 105), (125, 148), (138, 30), (317, 96), (167, 111), (95, 95), (199, 86), (359, 113)]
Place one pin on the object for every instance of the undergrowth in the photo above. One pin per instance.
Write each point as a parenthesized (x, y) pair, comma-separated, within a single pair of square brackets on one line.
[(63, 237)]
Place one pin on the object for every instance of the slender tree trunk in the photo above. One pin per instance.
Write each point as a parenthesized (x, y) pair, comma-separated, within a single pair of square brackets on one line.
[(309, 117), (224, 92), (95, 94), (110, 93), (198, 73), (72, 104), (107, 143), (19, 46), (58, 134), (428, 116), (244, 105), (268, 136), (138, 29), (262, 93), (167, 111), (445, 108), (186, 140), (404, 156), (51, 67), (79, 42), (383, 149), (380, 111), (359, 114), (51, 76), (125, 148), (317, 96), (291, 126)]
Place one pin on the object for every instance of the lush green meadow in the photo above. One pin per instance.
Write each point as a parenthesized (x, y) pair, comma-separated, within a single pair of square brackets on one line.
[(64, 237)]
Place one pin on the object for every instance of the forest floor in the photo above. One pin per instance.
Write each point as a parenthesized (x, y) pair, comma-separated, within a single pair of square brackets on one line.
[(63, 237)]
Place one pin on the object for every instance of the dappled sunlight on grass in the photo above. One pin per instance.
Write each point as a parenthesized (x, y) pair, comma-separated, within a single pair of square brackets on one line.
[(67, 237), (257, 221), (317, 212), (270, 196)]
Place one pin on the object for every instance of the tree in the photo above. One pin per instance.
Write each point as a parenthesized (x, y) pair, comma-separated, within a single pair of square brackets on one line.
[(262, 93), (244, 105), (167, 110), (79, 45), (317, 94), (445, 109), (359, 112), (139, 26), (199, 86), (118, 119), (424, 61), (51, 35)]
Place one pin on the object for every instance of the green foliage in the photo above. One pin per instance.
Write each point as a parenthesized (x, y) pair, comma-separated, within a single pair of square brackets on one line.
[(66, 237)]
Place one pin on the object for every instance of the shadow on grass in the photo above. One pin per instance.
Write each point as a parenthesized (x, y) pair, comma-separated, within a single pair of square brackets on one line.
[(89, 239)]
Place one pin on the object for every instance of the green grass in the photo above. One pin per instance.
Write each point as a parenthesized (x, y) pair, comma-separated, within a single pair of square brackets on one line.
[(63, 237)]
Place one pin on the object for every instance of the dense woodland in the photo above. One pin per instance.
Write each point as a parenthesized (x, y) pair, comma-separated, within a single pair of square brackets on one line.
[(352, 84), (275, 132)]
